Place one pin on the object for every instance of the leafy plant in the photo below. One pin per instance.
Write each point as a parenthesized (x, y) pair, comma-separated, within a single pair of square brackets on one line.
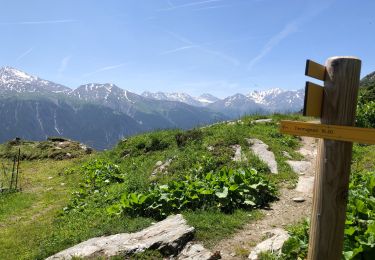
[(97, 175), (184, 138), (360, 218), (359, 242), (366, 114), (225, 190)]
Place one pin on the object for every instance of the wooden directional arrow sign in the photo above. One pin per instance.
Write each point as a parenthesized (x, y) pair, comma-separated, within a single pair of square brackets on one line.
[(333, 132), (313, 100), (315, 70)]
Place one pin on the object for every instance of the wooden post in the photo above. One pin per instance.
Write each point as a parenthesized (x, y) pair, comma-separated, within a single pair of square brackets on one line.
[(18, 165), (334, 160)]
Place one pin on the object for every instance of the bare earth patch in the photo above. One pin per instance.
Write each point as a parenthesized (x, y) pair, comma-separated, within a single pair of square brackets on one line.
[(281, 213)]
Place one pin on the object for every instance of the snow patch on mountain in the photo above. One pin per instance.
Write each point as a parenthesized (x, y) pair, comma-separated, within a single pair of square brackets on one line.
[(14, 80), (202, 100)]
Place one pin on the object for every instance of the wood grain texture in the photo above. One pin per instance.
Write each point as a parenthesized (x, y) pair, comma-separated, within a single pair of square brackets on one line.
[(313, 100), (315, 70), (333, 160), (331, 132)]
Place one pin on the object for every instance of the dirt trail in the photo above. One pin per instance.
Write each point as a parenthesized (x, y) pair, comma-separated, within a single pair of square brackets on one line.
[(281, 213)]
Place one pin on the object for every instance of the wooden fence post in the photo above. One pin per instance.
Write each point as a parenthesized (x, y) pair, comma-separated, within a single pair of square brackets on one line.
[(334, 160)]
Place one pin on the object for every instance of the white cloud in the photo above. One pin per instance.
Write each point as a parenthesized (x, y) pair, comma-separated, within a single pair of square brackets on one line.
[(24, 54), (313, 9), (64, 64), (201, 47), (273, 42), (106, 68), (40, 22), (174, 7)]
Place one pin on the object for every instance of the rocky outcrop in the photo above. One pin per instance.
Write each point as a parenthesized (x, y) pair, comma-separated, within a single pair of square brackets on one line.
[(260, 149), (168, 236)]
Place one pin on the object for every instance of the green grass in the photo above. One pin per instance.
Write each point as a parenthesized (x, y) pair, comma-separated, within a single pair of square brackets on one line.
[(26, 216), (359, 231), (32, 225), (31, 150), (212, 226)]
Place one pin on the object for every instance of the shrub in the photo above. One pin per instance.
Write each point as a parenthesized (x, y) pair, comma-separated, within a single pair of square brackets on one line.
[(366, 114), (191, 135), (225, 190), (156, 145), (97, 175), (359, 242)]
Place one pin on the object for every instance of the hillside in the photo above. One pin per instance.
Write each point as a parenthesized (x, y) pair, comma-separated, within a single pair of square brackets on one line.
[(41, 232), (68, 201), (98, 115), (367, 92)]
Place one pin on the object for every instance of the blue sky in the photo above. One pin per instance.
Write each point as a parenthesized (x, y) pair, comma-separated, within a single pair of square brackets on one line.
[(216, 46)]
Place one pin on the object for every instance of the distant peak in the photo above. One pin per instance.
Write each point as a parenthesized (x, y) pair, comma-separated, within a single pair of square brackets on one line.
[(8, 73)]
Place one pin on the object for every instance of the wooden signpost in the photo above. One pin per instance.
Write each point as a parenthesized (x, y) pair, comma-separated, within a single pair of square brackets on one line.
[(335, 104)]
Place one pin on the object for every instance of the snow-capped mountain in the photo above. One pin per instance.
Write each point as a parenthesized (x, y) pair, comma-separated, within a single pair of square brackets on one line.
[(16, 81), (263, 97), (179, 97), (110, 112), (278, 100), (207, 99), (96, 114), (202, 100), (236, 106)]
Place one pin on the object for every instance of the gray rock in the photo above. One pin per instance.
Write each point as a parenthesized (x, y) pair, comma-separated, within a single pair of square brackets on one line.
[(299, 167), (238, 156), (299, 199), (272, 244), (161, 167), (305, 184), (158, 163), (260, 149), (195, 252), (262, 121), (168, 236), (287, 155)]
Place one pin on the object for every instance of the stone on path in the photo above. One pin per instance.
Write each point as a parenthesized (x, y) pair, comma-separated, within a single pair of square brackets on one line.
[(262, 121), (299, 199), (305, 184), (260, 149), (168, 236), (299, 167), (196, 252), (272, 244)]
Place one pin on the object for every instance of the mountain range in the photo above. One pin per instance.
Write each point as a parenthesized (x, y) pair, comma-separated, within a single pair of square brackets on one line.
[(101, 114)]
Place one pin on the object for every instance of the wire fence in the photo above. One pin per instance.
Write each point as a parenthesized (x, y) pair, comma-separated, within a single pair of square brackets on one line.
[(10, 176)]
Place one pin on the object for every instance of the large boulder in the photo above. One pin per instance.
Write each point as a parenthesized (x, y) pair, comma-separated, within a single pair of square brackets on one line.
[(168, 236)]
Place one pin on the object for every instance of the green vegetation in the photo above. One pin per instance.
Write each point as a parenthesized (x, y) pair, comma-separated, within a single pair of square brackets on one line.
[(359, 241), (65, 201), (225, 190), (56, 149), (366, 102)]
